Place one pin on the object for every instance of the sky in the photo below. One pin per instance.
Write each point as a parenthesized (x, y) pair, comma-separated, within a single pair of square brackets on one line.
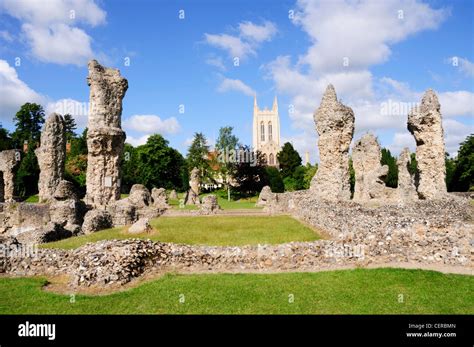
[(195, 66)]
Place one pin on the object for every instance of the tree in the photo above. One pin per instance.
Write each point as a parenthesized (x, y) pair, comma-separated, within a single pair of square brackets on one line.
[(450, 164), (274, 180), (288, 159), (78, 145), (250, 176), (225, 144), (309, 174), (160, 166), (28, 122), (5, 139), (198, 154), (69, 126), (463, 175), (76, 162), (388, 159), (351, 176), (27, 176)]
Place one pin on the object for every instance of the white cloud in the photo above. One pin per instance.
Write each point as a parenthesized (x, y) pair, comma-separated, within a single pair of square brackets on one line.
[(79, 110), (137, 141), (232, 44), (13, 92), (152, 124), (402, 140), (216, 62), (455, 132), (59, 43), (361, 31), (6, 36), (51, 28), (457, 103), (465, 66), (245, 43), (228, 84), (257, 33)]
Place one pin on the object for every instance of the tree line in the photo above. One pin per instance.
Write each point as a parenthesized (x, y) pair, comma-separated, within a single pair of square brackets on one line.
[(231, 167)]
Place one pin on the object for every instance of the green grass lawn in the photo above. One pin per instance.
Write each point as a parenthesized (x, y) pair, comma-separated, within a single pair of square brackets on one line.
[(360, 291), (248, 203), (213, 230), (33, 199)]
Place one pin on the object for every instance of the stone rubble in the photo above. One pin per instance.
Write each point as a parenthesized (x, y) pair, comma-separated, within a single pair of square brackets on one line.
[(140, 226), (209, 205), (369, 173), (159, 197)]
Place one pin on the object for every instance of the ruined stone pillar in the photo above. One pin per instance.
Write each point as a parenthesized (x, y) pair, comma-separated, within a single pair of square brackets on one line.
[(425, 123), (192, 197), (406, 187), (335, 126), (8, 161), (105, 137), (369, 173), (51, 156)]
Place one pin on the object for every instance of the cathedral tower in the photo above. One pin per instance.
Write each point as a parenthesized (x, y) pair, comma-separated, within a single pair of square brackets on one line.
[(266, 131)]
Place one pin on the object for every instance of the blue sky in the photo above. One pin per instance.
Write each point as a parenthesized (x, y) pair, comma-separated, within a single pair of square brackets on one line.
[(374, 52)]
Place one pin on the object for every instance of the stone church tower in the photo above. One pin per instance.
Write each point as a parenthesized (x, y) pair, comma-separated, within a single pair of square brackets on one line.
[(266, 131)]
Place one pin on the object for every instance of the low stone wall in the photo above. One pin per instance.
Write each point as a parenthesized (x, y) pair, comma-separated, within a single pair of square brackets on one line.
[(437, 233)]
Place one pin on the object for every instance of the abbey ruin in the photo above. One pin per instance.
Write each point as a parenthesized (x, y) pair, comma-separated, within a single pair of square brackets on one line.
[(416, 223)]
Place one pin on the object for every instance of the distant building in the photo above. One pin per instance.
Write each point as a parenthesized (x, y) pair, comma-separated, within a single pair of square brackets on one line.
[(266, 132)]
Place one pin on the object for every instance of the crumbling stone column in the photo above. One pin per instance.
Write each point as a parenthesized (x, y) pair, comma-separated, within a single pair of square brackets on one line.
[(406, 187), (8, 161), (51, 156), (425, 123), (335, 126), (369, 173), (192, 197), (105, 137)]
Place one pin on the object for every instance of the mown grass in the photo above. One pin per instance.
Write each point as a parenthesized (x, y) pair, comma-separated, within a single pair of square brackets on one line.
[(360, 291), (208, 230), (248, 203)]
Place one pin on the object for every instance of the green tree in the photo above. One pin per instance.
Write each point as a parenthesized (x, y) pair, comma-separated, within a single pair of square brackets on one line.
[(27, 176), (450, 164), (225, 144), (250, 176), (198, 154), (351, 176), (70, 126), (413, 169), (309, 174), (159, 165), (28, 122), (5, 139), (274, 180), (76, 162), (76, 172), (463, 175), (288, 159), (78, 145), (388, 159), (130, 169)]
